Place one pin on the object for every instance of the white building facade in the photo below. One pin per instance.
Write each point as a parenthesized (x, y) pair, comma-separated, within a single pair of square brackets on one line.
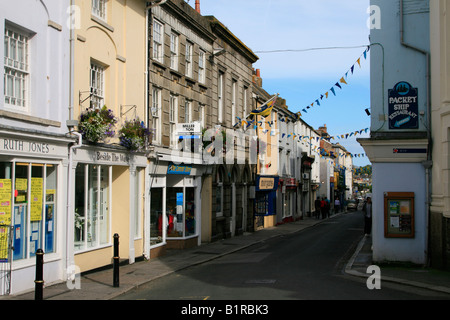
[(399, 142), (34, 107)]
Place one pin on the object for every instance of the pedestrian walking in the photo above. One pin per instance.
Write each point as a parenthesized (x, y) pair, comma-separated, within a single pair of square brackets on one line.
[(367, 210), (337, 205), (323, 208), (317, 207), (327, 207)]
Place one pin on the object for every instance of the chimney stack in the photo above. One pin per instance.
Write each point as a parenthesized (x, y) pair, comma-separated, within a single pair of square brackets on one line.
[(197, 6)]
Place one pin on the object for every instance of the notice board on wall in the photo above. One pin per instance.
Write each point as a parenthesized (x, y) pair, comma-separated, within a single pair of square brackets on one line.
[(399, 214)]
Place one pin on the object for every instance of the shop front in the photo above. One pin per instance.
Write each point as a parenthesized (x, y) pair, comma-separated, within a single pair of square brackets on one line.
[(106, 199), (33, 170), (289, 197), (175, 207), (265, 201)]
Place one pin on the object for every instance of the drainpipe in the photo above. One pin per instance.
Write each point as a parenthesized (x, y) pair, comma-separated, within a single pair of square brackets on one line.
[(70, 209), (70, 122), (427, 164)]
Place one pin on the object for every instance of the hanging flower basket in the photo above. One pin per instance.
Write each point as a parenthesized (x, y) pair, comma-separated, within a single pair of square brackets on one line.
[(97, 124), (134, 135)]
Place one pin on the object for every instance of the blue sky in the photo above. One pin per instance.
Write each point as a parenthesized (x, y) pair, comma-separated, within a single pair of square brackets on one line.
[(300, 76)]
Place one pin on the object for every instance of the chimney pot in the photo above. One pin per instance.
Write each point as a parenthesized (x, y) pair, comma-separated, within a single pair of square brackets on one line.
[(197, 6)]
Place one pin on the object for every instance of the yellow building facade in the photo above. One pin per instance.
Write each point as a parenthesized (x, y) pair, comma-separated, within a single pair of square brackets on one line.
[(108, 45)]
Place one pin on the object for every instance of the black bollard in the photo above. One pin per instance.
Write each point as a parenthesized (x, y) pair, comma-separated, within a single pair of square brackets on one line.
[(116, 261), (39, 282)]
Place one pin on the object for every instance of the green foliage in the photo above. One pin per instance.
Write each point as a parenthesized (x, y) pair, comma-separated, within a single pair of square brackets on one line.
[(97, 124)]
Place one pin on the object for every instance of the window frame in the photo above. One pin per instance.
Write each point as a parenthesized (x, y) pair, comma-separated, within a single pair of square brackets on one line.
[(156, 113), (158, 42), (233, 101), (244, 102), (202, 115), (97, 90), (220, 96), (201, 66), (88, 202), (174, 50), (173, 119), (99, 9), (188, 58), (50, 178), (17, 70), (188, 111)]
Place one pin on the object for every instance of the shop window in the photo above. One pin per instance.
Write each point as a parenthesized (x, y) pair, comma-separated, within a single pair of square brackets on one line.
[(25, 205), (92, 203), (175, 198), (189, 212), (156, 216), (180, 210)]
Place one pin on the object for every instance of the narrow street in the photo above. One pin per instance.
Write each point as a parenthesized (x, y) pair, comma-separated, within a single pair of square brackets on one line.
[(307, 265)]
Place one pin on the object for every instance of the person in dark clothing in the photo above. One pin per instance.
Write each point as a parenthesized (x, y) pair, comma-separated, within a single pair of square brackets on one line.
[(323, 208), (367, 210), (327, 207), (317, 207)]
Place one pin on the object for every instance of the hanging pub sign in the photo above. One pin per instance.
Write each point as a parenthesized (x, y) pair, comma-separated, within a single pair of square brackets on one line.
[(403, 106)]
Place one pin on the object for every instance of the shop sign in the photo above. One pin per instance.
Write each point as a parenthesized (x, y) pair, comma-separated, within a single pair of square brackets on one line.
[(179, 169), (110, 157), (188, 128), (266, 183), (30, 147), (403, 106)]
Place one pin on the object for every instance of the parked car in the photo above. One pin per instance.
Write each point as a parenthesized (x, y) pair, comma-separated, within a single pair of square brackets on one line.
[(351, 205)]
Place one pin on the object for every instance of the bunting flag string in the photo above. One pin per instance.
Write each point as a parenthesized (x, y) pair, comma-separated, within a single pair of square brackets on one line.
[(320, 151), (342, 80)]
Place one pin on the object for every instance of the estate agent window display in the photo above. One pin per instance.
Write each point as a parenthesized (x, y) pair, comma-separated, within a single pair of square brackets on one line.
[(28, 203)]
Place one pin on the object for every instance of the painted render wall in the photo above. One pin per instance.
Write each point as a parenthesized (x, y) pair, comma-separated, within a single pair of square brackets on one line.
[(399, 177)]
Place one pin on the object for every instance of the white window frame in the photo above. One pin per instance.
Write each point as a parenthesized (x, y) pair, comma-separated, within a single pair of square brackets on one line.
[(244, 102), (97, 85), (156, 115), (16, 77), (102, 239), (220, 97), (189, 52), (174, 51), (201, 66), (233, 101), (201, 115), (99, 9), (188, 111), (173, 119), (158, 41)]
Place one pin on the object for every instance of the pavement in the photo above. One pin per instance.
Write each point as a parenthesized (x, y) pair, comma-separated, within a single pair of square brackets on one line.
[(99, 285)]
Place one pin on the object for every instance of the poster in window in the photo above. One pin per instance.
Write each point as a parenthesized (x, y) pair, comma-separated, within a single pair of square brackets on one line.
[(36, 199), (5, 201), (399, 214)]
